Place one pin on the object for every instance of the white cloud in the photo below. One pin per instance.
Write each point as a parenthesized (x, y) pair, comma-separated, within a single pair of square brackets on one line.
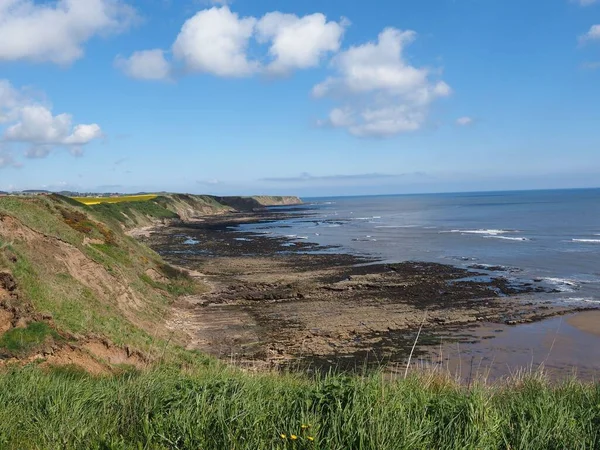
[(375, 66), (218, 41), (383, 94), (341, 117), (145, 65), (83, 134), (9, 99), (56, 31), (215, 41), (298, 42), (464, 121), (592, 35), (31, 123), (584, 2)]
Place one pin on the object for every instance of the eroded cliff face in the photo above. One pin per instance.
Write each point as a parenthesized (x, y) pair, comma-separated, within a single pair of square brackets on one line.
[(76, 289), (170, 208), (270, 200), (73, 284)]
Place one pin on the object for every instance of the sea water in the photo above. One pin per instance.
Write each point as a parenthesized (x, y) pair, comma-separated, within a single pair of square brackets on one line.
[(550, 237)]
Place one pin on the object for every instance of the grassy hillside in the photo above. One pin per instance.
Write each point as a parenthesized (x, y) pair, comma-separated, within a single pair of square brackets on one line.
[(71, 278), (83, 278), (85, 360), (138, 211)]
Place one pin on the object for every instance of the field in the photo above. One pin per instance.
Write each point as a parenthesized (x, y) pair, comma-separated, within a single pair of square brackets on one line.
[(121, 199)]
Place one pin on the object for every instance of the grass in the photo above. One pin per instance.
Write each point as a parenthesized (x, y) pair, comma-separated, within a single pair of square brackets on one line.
[(120, 199), (87, 305), (189, 401), (132, 214), (19, 341), (221, 408)]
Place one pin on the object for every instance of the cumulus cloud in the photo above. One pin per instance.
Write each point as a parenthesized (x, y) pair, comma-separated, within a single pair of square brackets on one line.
[(217, 41), (592, 34), (464, 121), (383, 94), (26, 121), (56, 31), (298, 42), (145, 65)]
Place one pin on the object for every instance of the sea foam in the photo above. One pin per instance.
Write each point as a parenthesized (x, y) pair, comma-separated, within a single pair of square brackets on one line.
[(492, 232), (508, 238), (562, 284)]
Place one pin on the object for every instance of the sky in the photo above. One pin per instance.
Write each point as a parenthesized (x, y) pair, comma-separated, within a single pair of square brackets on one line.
[(309, 98)]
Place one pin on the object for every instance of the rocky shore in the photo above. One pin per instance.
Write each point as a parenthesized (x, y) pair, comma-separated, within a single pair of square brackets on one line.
[(276, 303)]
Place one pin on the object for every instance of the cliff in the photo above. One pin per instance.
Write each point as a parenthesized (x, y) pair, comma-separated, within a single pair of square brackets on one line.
[(185, 207), (76, 289)]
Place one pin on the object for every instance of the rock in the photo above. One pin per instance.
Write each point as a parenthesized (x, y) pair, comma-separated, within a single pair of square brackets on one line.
[(7, 282)]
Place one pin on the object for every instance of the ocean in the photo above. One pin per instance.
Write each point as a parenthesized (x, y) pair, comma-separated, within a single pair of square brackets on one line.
[(549, 237)]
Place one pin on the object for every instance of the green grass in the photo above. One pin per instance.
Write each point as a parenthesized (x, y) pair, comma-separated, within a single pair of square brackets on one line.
[(176, 286), (218, 408), (20, 341), (77, 305), (39, 214), (131, 213)]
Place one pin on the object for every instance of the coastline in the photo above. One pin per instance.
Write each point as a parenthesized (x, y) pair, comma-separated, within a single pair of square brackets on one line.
[(278, 303)]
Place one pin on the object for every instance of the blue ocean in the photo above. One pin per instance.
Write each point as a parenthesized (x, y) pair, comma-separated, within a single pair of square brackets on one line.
[(549, 237)]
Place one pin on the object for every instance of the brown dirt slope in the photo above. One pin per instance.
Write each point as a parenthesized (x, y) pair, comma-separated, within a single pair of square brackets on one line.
[(97, 296)]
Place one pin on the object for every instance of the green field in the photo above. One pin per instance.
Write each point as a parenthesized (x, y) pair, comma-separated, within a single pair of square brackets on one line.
[(120, 199)]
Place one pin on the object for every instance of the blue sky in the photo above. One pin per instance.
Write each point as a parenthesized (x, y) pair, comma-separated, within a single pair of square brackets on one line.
[(308, 98)]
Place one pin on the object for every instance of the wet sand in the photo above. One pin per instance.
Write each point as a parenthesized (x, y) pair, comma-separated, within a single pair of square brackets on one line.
[(588, 322), (280, 303), (557, 345)]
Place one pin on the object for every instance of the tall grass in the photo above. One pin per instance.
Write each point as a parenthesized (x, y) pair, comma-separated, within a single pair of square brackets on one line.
[(219, 408)]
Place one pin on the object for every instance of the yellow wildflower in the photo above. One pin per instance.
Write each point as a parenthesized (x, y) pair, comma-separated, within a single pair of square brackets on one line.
[(283, 436), (310, 438), (305, 427), (293, 437)]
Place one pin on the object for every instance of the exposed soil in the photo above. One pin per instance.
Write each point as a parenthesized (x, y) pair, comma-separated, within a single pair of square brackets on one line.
[(14, 312), (94, 355), (279, 303)]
